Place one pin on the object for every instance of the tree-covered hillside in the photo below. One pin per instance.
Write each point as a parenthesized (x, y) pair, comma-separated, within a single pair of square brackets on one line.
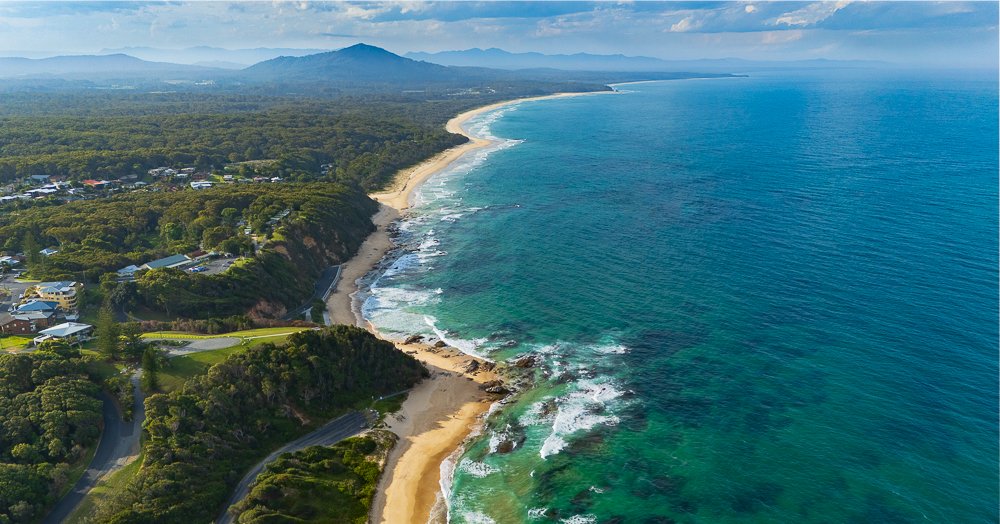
[(203, 438), (321, 224), (50, 416), (107, 136)]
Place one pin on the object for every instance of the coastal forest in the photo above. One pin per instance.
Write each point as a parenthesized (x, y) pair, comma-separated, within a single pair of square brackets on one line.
[(324, 225), (324, 485), (202, 438), (50, 419), (81, 135)]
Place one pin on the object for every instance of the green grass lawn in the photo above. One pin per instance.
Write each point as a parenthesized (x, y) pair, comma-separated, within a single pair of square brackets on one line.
[(259, 332), (180, 369), (14, 342)]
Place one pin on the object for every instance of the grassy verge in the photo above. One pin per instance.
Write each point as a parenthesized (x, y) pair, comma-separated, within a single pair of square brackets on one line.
[(14, 342), (389, 405), (180, 369), (259, 332), (103, 491)]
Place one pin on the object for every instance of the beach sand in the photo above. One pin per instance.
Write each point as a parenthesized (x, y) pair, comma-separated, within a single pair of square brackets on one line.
[(440, 412)]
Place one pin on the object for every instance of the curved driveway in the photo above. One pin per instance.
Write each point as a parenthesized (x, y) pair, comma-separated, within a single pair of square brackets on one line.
[(330, 433), (119, 442)]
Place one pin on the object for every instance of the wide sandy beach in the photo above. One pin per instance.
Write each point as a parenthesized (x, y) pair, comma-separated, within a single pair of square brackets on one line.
[(441, 412)]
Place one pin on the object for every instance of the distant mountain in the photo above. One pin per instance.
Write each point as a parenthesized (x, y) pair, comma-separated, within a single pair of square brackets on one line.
[(201, 55), (91, 66), (498, 58), (360, 63)]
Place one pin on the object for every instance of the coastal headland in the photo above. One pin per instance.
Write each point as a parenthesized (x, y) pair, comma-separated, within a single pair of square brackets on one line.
[(442, 411)]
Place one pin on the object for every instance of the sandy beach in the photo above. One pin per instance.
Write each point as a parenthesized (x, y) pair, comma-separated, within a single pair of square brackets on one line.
[(441, 412)]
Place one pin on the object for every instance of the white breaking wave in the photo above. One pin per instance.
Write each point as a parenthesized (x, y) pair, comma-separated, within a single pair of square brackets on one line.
[(476, 469), (580, 410), (468, 347), (537, 513), (580, 519), (476, 517)]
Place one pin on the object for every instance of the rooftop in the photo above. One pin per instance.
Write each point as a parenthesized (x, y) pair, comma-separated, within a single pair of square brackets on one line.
[(66, 329)]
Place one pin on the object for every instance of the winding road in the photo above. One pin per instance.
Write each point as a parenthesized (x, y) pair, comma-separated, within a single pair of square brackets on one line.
[(119, 443), (332, 432), (120, 439)]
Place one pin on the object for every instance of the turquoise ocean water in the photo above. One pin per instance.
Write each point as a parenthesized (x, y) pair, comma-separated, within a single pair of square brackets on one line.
[(765, 299)]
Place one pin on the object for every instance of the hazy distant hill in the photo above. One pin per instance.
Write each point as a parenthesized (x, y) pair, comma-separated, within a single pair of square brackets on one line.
[(358, 68), (212, 56), (91, 66), (498, 58), (358, 63)]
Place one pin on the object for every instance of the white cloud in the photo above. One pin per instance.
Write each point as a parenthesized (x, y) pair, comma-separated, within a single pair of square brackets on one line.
[(811, 14), (687, 23), (750, 8)]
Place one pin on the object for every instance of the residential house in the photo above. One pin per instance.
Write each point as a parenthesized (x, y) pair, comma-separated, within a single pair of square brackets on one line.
[(71, 332), (26, 323), (36, 305), (128, 272), (98, 184), (64, 293), (49, 251), (201, 185)]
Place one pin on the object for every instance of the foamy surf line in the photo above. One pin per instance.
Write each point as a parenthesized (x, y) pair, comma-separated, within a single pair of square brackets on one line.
[(365, 302)]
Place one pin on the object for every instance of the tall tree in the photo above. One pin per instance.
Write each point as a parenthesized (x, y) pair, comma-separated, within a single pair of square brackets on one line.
[(132, 344), (150, 369), (107, 332), (31, 248)]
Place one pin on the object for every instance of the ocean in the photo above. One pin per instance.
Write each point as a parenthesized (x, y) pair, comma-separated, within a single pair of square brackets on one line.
[(762, 299)]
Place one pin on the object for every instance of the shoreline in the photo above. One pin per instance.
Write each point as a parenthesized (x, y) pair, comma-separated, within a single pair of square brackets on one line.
[(442, 411)]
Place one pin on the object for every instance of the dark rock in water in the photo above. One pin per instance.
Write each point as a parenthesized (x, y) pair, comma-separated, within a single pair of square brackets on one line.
[(487, 366), (440, 344), (508, 343), (472, 367), (413, 339), (506, 446), (526, 361), (497, 390), (513, 437)]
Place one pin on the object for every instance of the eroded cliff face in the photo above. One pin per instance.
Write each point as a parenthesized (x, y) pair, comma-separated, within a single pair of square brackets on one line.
[(325, 225)]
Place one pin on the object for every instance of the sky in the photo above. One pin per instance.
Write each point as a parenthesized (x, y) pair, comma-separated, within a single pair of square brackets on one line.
[(950, 33)]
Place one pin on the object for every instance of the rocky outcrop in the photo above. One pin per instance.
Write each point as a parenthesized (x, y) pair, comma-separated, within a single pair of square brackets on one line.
[(525, 361)]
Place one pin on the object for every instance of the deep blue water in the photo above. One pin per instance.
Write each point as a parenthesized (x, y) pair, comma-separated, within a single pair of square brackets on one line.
[(766, 299)]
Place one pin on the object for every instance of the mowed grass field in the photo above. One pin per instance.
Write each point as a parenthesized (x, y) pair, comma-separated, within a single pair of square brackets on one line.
[(179, 369)]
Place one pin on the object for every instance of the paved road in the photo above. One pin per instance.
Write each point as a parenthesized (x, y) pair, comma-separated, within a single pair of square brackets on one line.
[(119, 441), (197, 345), (324, 286), (332, 432)]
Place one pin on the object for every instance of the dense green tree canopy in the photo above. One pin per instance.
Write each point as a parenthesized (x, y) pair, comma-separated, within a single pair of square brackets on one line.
[(202, 438), (49, 415)]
